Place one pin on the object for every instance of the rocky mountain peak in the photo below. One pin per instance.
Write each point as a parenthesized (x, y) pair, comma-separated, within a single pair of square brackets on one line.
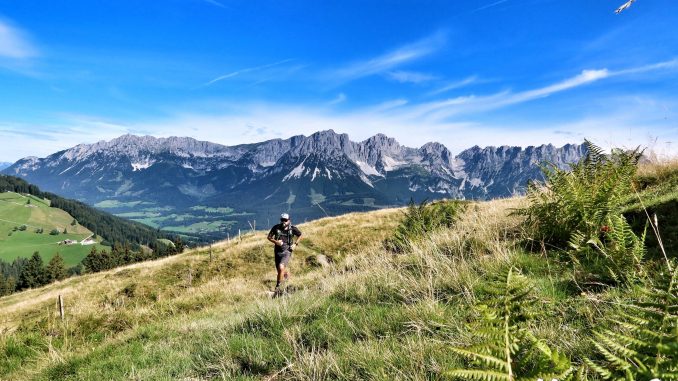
[(324, 142), (133, 146), (436, 153)]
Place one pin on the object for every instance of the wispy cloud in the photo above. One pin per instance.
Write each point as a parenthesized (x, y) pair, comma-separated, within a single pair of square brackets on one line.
[(341, 98), (215, 3), (470, 104), (494, 4), (455, 85), (403, 76), (15, 43), (666, 65), (457, 122), (391, 60), (239, 73)]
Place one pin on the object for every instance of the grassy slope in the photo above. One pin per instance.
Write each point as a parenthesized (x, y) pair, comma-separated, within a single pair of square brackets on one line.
[(658, 191), (15, 212), (107, 311), (371, 316)]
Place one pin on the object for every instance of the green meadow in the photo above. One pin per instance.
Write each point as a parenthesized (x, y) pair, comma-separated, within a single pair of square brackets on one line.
[(18, 210)]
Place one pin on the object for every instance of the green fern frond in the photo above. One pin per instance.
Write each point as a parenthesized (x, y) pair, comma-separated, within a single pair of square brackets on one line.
[(508, 351), (646, 346), (610, 340), (602, 372), (490, 361), (579, 208), (478, 375)]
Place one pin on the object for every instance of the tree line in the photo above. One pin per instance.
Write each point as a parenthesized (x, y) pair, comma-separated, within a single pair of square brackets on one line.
[(25, 273), (111, 228), (130, 242)]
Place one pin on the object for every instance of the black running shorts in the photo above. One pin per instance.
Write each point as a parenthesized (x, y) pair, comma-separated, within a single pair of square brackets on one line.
[(282, 257)]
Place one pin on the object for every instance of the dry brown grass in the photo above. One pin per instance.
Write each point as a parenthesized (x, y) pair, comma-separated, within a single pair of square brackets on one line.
[(239, 267), (484, 231), (658, 168)]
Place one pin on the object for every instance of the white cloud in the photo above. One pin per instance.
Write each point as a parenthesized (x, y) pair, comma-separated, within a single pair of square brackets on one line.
[(390, 60), (470, 104), (239, 73), (341, 98), (666, 65), (15, 43), (410, 76), (215, 3), (586, 76), (625, 124), (457, 122), (494, 4), (455, 85)]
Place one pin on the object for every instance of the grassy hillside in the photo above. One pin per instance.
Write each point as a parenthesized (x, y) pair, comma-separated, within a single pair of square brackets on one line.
[(15, 211), (113, 229), (369, 315)]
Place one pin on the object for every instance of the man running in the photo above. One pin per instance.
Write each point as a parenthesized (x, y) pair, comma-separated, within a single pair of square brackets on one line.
[(282, 235)]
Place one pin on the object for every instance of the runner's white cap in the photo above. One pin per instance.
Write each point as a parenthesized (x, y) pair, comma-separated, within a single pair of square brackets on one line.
[(285, 216)]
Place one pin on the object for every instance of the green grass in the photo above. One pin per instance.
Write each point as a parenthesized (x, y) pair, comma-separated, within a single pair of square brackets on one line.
[(111, 204), (200, 227), (14, 212), (222, 210)]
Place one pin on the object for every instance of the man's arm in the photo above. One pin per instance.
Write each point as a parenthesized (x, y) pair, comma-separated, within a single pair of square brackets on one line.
[(277, 243), (271, 238), (296, 233)]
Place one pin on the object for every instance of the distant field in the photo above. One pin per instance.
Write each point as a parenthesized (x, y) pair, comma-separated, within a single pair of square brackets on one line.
[(200, 227), (15, 211), (118, 204), (199, 219)]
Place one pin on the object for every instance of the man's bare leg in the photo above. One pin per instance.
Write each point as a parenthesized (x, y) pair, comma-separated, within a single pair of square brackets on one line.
[(281, 274)]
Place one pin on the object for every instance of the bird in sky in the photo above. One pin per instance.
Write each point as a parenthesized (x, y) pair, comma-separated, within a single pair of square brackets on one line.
[(624, 6)]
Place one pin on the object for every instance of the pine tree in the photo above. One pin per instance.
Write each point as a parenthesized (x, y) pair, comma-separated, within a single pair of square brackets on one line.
[(33, 274), (92, 261), (179, 245), (3, 286), (10, 285), (56, 269)]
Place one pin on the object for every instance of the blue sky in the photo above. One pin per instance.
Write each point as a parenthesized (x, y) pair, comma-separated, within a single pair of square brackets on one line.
[(485, 72)]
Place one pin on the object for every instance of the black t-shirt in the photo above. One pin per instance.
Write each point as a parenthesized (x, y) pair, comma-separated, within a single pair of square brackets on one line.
[(279, 231)]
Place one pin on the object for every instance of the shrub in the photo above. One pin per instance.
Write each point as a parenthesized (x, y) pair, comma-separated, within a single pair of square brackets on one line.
[(581, 199), (580, 209), (614, 256)]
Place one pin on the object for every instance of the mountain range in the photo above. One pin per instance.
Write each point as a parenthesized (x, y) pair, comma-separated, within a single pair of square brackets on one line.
[(185, 185)]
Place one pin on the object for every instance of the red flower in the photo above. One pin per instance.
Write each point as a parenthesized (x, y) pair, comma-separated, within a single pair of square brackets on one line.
[(604, 228)]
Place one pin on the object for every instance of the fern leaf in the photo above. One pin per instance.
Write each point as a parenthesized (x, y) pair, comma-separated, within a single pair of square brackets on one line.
[(488, 360), (619, 363), (606, 338), (478, 375), (602, 372)]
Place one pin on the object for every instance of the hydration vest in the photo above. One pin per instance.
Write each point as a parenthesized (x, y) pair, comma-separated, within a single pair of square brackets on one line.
[(285, 235)]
